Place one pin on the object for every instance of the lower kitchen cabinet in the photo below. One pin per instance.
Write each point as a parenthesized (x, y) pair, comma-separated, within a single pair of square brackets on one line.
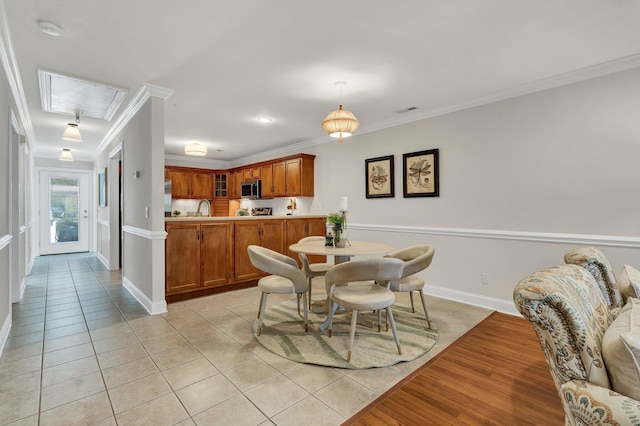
[(207, 256), (265, 233), (301, 228), (198, 255)]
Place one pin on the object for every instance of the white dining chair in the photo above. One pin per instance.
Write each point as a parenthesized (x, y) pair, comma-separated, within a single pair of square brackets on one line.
[(285, 278), (312, 270), (369, 289), (416, 258)]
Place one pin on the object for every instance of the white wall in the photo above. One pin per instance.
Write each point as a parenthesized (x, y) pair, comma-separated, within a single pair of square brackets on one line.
[(6, 242), (521, 182)]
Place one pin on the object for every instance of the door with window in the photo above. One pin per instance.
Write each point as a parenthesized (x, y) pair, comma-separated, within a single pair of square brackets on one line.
[(64, 212)]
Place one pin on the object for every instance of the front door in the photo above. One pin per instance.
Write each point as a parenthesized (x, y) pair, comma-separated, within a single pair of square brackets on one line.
[(64, 212)]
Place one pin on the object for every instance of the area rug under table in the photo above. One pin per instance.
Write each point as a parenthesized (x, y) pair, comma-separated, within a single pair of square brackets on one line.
[(283, 334)]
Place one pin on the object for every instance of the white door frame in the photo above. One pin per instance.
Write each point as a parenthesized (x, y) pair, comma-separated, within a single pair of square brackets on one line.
[(43, 211), (15, 290)]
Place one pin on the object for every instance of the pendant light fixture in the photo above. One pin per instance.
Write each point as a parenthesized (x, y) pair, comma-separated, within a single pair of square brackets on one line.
[(72, 133), (196, 149), (66, 155), (340, 123)]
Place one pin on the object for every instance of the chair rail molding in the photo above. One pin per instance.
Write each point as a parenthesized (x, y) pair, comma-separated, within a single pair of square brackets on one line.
[(546, 237), (145, 233)]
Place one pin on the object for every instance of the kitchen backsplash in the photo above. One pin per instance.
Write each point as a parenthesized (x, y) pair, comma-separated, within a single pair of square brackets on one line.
[(278, 205)]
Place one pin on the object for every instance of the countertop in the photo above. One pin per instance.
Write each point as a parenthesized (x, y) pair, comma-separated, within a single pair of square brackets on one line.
[(227, 218)]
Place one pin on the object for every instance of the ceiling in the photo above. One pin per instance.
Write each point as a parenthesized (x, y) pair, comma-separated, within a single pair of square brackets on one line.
[(229, 62)]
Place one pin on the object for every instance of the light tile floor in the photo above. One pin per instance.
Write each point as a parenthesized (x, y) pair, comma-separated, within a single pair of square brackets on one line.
[(83, 351)]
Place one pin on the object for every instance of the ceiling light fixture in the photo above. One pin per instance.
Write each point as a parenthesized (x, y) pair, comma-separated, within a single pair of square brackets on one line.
[(264, 120), (196, 149), (340, 123), (72, 133), (66, 155)]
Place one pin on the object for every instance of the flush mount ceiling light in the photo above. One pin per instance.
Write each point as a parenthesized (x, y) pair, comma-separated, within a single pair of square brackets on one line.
[(66, 155), (72, 133), (196, 149), (264, 120), (340, 123)]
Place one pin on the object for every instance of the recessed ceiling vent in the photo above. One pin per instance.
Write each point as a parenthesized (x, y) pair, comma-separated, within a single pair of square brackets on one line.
[(402, 111), (64, 95)]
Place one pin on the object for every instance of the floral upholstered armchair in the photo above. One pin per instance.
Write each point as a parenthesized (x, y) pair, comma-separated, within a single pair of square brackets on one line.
[(598, 265), (571, 318)]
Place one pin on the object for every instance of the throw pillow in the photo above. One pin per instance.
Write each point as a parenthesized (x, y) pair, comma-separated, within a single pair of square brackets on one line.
[(621, 350), (629, 282)]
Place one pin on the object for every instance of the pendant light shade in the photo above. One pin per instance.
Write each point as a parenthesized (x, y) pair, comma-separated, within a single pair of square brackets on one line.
[(340, 124), (72, 132), (195, 149), (66, 155)]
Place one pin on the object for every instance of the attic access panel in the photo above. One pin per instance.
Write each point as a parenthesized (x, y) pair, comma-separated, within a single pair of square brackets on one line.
[(64, 94)]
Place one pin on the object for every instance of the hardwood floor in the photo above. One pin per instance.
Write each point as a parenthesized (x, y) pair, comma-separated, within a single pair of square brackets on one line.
[(495, 374)]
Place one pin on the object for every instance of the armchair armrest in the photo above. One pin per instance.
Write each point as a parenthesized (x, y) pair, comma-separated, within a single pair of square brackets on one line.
[(595, 405)]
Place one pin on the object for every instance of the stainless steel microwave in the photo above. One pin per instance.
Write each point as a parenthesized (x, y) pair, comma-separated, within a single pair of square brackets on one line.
[(251, 189)]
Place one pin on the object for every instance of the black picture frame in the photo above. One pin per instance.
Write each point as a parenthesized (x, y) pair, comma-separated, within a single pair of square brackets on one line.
[(421, 173), (379, 176), (102, 187)]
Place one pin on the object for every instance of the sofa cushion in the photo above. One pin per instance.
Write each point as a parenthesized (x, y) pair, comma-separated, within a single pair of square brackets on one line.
[(629, 282), (621, 350)]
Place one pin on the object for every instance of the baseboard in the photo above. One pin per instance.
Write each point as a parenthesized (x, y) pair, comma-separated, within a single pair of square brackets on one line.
[(31, 263), (153, 308), (102, 259), (23, 286), (4, 332), (500, 305)]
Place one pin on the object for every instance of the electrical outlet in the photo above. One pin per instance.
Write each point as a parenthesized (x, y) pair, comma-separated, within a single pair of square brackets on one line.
[(484, 278)]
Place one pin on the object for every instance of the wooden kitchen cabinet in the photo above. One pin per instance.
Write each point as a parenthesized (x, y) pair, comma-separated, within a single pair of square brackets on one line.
[(202, 185), (279, 179), (293, 178), (182, 257), (221, 185), (301, 228), (251, 173), (216, 261), (265, 233), (190, 183), (235, 183), (180, 183), (197, 255), (266, 173)]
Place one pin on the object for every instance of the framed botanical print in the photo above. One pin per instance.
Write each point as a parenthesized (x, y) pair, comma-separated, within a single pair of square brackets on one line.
[(420, 174), (379, 177)]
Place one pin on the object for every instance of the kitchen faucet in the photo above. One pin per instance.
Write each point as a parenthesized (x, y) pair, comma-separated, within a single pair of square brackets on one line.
[(198, 213)]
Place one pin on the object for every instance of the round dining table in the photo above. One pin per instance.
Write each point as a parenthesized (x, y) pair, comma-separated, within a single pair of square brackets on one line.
[(341, 254)]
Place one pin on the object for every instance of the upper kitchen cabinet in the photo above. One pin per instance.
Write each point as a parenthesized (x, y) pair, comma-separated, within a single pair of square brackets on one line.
[(190, 183), (252, 173), (289, 177), (235, 181), (221, 186)]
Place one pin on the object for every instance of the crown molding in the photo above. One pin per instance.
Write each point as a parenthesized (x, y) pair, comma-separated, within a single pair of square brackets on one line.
[(587, 73), (142, 95), (10, 64)]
